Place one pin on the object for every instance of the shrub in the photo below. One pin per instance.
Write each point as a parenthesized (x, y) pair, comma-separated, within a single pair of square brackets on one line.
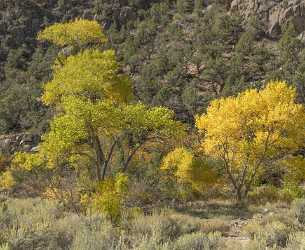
[(108, 198), (290, 192), (296, 241), (272, 234), (7, 180), (28, 223), (264, 194), (152, 243), (162, 227), (197, 241), (4, 247), (94, 233), (215, 225), (299, 210)]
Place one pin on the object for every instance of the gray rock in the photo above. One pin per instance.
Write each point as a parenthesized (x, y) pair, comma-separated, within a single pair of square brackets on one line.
[(273, 13), (9, 144)]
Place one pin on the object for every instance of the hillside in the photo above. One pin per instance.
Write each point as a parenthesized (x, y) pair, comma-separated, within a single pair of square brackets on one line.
[(152, 125), (179, 55)]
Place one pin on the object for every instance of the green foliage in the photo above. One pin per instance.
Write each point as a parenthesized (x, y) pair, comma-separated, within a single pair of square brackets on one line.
[(185, 6), (19, 98), (180, 61), (291, 191), (86, 89)]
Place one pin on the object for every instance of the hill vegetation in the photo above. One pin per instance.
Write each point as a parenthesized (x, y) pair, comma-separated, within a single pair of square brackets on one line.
[(154, 117)]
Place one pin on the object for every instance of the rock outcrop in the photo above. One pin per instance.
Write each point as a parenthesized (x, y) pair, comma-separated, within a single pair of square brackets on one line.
[(12, 143), (273, 13)]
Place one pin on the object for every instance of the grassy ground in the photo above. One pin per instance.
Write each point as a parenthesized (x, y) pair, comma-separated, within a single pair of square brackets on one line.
[(43, 224)]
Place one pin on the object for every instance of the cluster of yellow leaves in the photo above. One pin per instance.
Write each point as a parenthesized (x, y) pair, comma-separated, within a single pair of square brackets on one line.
[(91, 74), (189, 169), (27, 161), (108, 198), (180, 162), (254, 126), (75, 33), (7, 180), (68, 132), (296, 169)]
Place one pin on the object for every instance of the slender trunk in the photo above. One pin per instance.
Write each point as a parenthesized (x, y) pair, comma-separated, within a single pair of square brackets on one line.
[(100, 158), (106, 163), (239, 196), (127, 162)]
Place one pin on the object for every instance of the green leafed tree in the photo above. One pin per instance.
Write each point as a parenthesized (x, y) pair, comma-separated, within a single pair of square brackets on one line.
[(93, 121)]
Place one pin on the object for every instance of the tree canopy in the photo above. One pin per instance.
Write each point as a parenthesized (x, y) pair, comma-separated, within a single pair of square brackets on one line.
[(93, 117), (76, 33), (252, 130)]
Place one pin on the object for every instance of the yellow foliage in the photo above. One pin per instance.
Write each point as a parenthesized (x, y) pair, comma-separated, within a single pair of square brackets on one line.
[(75, 33), (7, 180), (241, 127), (109, 196), (180, 162), (296, 168), (92, 74), (255, 128), (56, 194), (27, 161), (189, 169)]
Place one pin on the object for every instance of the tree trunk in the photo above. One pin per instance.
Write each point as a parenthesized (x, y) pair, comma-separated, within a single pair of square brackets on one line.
[(100, 158), (240, 196)]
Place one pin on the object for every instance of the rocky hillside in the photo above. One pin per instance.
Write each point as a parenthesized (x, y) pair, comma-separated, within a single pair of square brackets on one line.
[(181, 53), (273, 13)]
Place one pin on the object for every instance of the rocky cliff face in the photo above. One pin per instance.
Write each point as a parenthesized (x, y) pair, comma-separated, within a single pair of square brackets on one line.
[(273, 13)]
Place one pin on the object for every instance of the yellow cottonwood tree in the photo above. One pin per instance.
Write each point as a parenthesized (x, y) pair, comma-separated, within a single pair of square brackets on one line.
[(252, 130), (92, 115)]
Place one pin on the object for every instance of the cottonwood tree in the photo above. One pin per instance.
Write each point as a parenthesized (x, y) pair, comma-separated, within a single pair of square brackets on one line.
[(251, 131), (90, 97)]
